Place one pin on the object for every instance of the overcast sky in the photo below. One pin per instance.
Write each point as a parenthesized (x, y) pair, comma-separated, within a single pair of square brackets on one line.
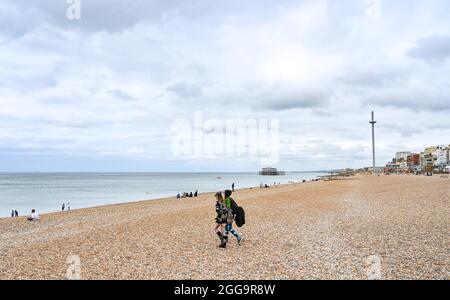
[(102, 93)]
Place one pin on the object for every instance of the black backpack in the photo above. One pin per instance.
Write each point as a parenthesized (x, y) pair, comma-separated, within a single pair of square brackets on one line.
[(240, 217), (234, 206)]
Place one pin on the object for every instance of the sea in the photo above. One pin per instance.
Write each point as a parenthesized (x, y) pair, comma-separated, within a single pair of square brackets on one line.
[(46, 192)]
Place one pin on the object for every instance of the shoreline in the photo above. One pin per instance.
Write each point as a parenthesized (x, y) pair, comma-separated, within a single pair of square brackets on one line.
[(161, 199), (155, 198)]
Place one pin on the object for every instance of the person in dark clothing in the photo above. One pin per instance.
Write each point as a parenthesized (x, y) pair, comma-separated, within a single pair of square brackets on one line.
[(16, 213), (191, 195), (196, 194), (178, 196), (232, 187), (12, 213), (63, 207)]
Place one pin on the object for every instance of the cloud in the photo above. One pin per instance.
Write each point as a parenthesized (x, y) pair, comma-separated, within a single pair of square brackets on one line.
[(113, 83), (120, 94), (432, 49), (302, 99), (417, 99), (186, 90)]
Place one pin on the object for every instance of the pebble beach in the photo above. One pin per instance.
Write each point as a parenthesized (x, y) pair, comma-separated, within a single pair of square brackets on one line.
[(362, 227)]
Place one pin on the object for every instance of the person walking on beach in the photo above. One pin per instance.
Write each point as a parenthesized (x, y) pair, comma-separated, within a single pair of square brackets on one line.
[(63, 206), (221, 218), (231, 207), (16, 213), (232, 187), (12, 213)]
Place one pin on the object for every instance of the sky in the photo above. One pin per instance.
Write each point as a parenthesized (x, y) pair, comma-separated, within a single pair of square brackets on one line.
[(144, 85)]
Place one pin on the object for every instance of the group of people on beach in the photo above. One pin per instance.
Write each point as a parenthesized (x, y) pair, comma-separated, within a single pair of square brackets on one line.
[(226, 210), (34, 215), (266, 186), (187, 195)]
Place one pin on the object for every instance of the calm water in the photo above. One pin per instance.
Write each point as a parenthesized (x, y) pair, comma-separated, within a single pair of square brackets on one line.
[(47, 191)]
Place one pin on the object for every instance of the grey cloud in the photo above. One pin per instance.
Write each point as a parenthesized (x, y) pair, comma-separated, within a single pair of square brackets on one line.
[(186, 90), (113, 15), (284, 97), (374, 78), (108, 15), (431, 49), (308, 100), (120, 94), (405, 129), (409, 98)]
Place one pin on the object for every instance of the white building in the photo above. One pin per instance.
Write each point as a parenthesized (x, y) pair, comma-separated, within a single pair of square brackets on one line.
[(441, 154), (401, 159)]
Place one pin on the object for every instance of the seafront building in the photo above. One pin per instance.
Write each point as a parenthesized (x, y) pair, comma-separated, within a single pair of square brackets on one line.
[(432, 159)]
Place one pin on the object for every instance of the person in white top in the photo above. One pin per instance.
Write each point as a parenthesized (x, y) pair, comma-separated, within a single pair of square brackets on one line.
[(34, 216)]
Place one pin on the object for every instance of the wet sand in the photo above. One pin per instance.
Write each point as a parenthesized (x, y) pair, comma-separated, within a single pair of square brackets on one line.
[(393, 227)]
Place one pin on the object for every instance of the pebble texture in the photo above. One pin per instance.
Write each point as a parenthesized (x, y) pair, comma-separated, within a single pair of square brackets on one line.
[(314, 230)]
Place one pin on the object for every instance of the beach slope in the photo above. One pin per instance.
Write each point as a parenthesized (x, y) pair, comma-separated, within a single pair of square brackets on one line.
[(390, 227)]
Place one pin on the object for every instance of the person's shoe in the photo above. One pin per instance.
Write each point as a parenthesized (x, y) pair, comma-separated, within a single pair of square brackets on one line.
[(224, 242)]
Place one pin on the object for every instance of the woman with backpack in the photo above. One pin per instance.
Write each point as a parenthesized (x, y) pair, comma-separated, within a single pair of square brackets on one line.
[(231, 211)]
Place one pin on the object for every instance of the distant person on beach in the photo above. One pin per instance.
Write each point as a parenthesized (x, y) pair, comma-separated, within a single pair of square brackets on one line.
[(230, 204), (196, 194), (221, 217), (178, 196), (68, 206), (12, 213), (63, 206), (16, 213), (232, 187), (34, 216), (191, 195)]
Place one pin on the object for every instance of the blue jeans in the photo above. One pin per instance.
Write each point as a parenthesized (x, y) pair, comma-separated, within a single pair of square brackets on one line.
[(229, 228)]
